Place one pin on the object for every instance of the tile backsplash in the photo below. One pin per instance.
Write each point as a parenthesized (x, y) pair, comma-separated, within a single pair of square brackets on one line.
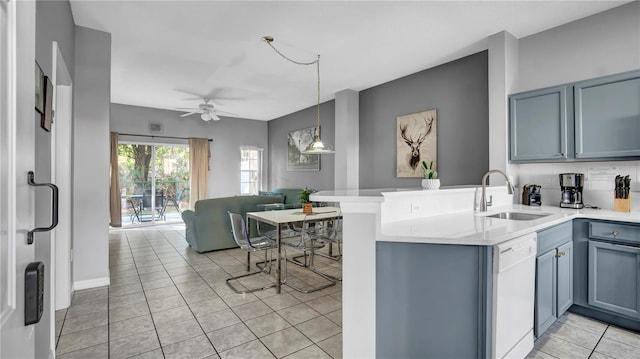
[(598, 184)]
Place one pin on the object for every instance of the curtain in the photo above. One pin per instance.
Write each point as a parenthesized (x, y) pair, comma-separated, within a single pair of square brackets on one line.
[(115, 202), (199, 155)]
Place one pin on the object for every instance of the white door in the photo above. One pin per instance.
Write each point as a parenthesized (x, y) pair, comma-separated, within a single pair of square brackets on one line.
[(18, 210)]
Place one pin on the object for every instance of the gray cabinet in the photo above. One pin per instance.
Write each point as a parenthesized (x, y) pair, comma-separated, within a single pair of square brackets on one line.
[(538, 125), (593, 271), (587, 120), (614, 278), (554, 276), (607, 117), (433, 300)]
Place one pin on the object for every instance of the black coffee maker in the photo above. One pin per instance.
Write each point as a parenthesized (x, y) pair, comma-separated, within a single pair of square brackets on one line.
[(571, 188)]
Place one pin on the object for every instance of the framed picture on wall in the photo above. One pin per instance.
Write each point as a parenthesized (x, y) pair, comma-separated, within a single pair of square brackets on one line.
[(297, 142), (416, 141), (46, 119), (39, 85)]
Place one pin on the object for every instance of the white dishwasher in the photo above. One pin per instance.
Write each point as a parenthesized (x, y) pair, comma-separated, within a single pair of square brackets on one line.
[(514, 266)]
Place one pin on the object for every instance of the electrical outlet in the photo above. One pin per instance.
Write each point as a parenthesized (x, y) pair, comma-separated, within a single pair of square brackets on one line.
[(416, 208)]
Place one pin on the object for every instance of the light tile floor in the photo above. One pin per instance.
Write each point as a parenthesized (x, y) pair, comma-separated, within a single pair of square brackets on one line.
[(167, 301), (574, 336)]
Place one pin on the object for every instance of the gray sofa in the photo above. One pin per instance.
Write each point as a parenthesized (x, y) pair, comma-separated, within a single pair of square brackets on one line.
[(291, 196), (208, 228)]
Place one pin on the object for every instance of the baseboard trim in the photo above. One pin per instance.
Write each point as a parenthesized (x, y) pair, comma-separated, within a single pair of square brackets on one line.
[(90, 283)]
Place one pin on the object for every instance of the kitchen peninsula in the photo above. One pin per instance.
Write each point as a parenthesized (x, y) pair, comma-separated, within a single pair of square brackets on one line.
[(418, 267)]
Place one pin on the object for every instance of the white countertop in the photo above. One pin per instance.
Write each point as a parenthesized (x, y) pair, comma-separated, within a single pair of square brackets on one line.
[(475, 228), (464, 227)]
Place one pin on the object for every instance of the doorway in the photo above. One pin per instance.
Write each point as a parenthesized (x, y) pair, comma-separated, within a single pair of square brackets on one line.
[(154, 182)]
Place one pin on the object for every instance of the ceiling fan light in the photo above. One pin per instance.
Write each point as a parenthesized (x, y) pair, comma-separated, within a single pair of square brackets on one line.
[(213, 116), (205, 116)]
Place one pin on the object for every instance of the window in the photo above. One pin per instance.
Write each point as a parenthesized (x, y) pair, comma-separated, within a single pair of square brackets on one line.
[(250, 171)]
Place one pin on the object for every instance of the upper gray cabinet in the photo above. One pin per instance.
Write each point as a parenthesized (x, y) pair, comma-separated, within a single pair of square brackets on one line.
[(607, 117), (596, 119), (539, 125)]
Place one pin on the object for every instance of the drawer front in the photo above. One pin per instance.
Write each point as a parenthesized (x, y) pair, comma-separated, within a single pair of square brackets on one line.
[(615, 232), (554, 237)]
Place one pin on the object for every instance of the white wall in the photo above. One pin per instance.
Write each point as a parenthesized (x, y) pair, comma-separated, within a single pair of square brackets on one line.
[(347, 135), (92, 92), (228, 134), (603, 44), (502, 73)]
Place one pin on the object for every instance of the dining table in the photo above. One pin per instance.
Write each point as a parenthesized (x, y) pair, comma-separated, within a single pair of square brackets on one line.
[(280, 218)]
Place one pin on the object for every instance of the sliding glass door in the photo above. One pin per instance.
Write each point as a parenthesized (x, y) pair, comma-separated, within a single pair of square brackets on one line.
[(154, 181)]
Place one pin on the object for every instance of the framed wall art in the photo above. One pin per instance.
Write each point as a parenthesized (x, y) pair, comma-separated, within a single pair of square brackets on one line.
[(296, 143), (39, 85), (46, 119), (416, 141)]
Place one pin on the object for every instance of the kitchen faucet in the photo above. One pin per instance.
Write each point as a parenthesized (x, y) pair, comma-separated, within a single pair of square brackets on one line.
[(483, 198)]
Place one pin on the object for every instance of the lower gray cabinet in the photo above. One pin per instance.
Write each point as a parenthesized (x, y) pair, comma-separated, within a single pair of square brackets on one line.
[(614, 278), (554, 286), (433, 300)]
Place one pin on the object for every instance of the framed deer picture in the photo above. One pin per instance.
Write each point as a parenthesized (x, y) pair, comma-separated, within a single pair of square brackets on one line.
[(417, 141)]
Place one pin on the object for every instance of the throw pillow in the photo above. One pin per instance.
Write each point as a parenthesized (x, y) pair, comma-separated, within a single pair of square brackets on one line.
[(267, 193)]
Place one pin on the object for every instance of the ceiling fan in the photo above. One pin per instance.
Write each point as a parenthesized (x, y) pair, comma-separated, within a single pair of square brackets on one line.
[(206, 110)]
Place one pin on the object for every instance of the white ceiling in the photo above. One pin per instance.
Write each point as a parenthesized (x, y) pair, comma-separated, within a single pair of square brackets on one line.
[(167, 53)]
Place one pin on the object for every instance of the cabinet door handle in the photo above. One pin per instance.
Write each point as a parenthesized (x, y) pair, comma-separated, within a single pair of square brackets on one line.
[(614, 233), (560, 254)]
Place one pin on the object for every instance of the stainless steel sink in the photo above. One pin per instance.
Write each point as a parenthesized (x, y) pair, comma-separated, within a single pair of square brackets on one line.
[(518, 216)]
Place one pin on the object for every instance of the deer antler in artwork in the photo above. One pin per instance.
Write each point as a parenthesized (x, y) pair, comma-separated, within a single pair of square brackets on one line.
[(415, 145)]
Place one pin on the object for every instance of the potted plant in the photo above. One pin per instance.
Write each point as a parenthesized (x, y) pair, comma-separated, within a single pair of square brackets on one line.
[(304, 199), (430, 176)]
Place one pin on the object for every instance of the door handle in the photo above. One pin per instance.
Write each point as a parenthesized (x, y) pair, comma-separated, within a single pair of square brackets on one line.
[(54, 206)]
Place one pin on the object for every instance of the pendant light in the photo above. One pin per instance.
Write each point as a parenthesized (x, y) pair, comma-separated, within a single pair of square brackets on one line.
[(317, 146)]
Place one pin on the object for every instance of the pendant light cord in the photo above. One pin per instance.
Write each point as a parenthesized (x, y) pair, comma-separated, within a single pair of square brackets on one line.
[(269, 41)]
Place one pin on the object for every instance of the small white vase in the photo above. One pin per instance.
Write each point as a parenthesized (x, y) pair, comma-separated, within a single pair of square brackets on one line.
[(430, 183)]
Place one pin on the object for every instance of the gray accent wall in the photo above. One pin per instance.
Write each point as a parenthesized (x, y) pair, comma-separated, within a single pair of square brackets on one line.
[(228, 134), (92, 94), (458, 91), (279, 129)]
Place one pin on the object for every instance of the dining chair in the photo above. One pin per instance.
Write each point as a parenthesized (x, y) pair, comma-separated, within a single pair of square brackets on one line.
[(174, 200), (135, 207), (255, 244), (308, 241), (331, 233), (269, 230)]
